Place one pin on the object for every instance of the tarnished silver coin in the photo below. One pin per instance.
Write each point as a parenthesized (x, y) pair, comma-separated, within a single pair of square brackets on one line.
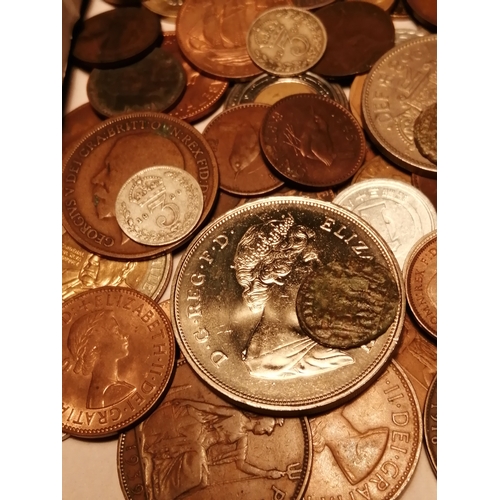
[(159, 205), (234, 305), (286, 41), (401, 213)]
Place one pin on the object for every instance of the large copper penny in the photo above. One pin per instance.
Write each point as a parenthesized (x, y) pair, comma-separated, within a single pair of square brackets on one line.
[(359, 33), (369, 448), (110, 154), (83, 270), (233, 136), (202, 94), (312, 141), (234, 305), (212, 35), (118, 357), (425, 11), (116, 37), (153, 83), (420, 271), (195, 445), (430, 424)]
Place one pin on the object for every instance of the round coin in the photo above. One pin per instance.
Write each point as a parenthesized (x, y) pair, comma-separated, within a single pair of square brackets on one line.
[(398, 211), (425, 11), (111, 153), (379, 168), (153, 83), (383, 4), (420, 272), (286, 41), (159, 205), (427, 185), (355, 96), (370, 447), (237, 454), (401, 84), (76, 124), (234, 305), (312, 141), (425, 132), (430, 424), (118, 356)]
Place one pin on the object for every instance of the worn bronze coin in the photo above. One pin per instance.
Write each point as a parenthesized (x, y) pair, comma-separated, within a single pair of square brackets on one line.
[(233, 136), (154, 83), (83, 270), (312, 141), (116, 37), (347, 302), (196, 445), (427, 185), (430, 424), (424, 11), (359, 33), (212, 35), (379, 168), (425, 132), (234, 305), (118, 357), (369, 448), (202, 94), (76, 124), (420, 272), (110, 154)]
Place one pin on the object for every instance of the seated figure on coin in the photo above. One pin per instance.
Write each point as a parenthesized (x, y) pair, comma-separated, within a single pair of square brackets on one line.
[(271, 261), (199, 435), (96, 343)]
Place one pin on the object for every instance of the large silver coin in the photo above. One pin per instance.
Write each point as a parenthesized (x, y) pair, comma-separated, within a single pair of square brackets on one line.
[(234, 304)]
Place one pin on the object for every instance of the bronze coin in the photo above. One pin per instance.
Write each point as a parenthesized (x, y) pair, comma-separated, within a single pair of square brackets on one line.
[(359, 33), (202, 94), (427, 185), (379, 168), (212, 35), (116, 37), (195, 445), (118, 356), (386, 5), (312, 141), (111, 153), (233, 136), (430, 424), (77, 123), (224, 203), (424, 11), (153, 83), (425, 132)]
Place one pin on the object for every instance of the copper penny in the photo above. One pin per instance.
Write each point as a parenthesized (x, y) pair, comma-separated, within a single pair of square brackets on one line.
[(430, 424), (425, 132), (76, 124), (153, 83), (83, 270), (355, 97), (212, 35), (385, 5), (202, 94), (427, 185), (110, 154), (224, 203), (312, 141), (195, 445), (369, 448), (424, 11), (233, 136), (420, 272), (118, 357), (379, 168), (116, 37), (358, 34)]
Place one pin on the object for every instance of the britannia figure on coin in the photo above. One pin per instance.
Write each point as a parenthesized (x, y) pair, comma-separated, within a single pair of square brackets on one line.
[(96, 343), (272, 259)]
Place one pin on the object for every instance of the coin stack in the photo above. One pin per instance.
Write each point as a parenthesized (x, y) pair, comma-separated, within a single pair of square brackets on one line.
[(249, 251)]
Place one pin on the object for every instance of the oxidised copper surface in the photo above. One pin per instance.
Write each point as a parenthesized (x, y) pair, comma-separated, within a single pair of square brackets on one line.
[(76, 124)]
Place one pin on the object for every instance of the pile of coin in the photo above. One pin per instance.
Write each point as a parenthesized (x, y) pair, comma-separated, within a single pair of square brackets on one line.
[(250, 301)]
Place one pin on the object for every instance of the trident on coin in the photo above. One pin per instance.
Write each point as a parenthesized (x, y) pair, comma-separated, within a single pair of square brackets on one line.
[(293, 471)]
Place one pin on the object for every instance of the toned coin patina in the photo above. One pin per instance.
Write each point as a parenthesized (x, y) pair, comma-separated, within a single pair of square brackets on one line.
[(369, 448), (427, 185), (76, 124), (117, 359), (359, 33), (116, 37), (154, 83), (195, 445), (425, 11), (347, 302), (379, 168), (425, 132), (234, 95), (202, 94), (233, 136), (386, 5), (234, 305), (165, 8), (430, 424), (83, 270), (420, 272), (109, 155), (286, 41), (212, 35), (398, 211), (400, 85), (312, 141), (159, 205)]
